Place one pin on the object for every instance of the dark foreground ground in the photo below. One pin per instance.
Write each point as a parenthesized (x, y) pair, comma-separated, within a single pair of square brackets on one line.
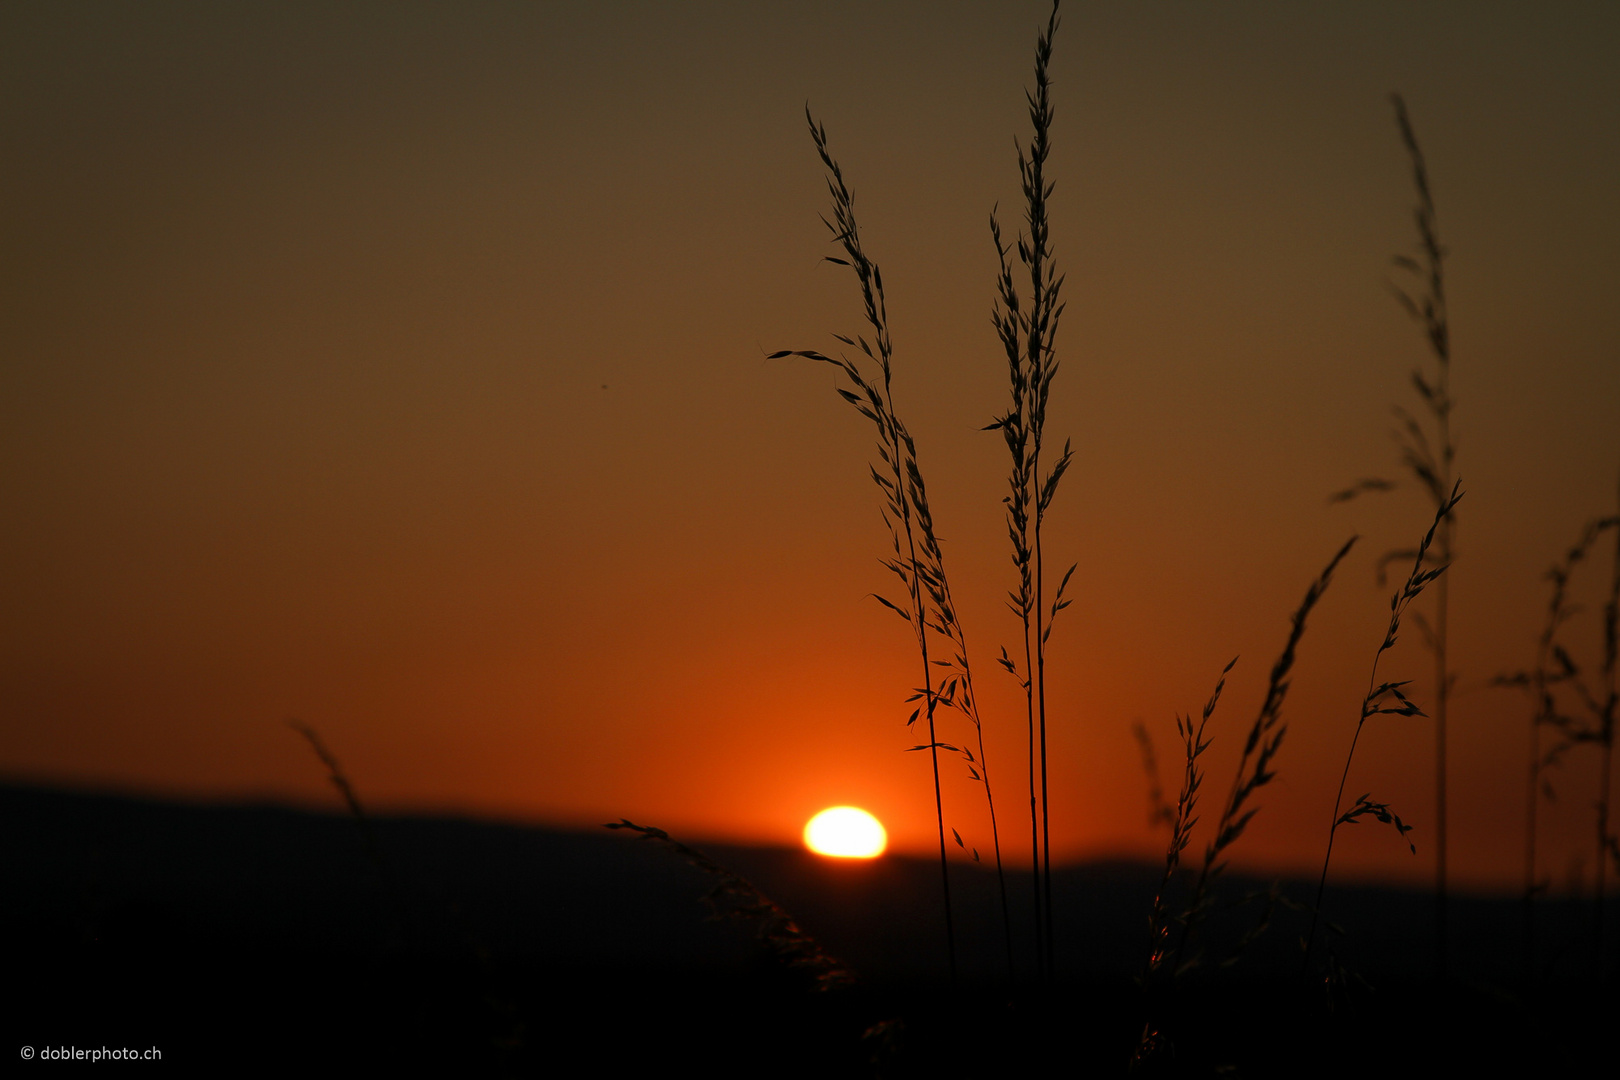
[(254, 939)]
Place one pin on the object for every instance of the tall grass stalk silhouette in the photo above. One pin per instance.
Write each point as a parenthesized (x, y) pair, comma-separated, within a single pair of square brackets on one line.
[(1183, 819), (386, 870), (335, 773), (1028, 336), (1175, 959), (917, 562), (1254, 769), (1430, 459), (1555, 668), (1591, 721), (1606, 713), (735, 897), (1160, 813), (1381, 699)]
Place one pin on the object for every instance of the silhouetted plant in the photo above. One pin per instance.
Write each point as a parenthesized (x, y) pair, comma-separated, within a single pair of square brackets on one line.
[(503, 1013), (1183, 819), (1603, 709), (1160, 813), (1591, 721), (351, 801), (1381, 699), (1028, 338), (918, 562), (735, 897), (1430, 462), (1254, 772)]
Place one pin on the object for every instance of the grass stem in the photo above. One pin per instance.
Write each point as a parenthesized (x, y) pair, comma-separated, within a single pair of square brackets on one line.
[(1380, 699)]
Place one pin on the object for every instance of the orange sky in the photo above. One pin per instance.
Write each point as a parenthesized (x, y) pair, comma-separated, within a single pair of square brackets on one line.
[(401, 368)]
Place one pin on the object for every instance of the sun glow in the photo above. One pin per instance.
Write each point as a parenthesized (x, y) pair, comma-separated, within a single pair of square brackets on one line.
[(845, 832)]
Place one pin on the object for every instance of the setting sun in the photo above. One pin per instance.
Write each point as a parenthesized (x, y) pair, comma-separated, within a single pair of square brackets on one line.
[(845, 832)]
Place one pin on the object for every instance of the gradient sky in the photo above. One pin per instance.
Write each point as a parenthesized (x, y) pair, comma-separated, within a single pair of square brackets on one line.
[(401, 368)]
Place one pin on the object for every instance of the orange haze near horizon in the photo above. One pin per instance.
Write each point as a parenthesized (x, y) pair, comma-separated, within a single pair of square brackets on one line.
[(401, 369)]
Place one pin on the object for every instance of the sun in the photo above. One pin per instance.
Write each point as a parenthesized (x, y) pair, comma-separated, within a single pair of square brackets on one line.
[(845, 832)]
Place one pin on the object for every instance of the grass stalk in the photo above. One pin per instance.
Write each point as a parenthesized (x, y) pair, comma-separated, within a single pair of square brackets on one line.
[(1028, 337), (1182, 820), (1606, 708), (955, 686), (1433, 469), (1159, 811), (1431, 461), (1608, 846), (1532, 799), (955, 689), (735, 897), (906, 511), (339, 779), (1253, 773), (1153, 1041), (1380, 699), (1539, 682), (385, 868), (1553, 667), (1554, 670)]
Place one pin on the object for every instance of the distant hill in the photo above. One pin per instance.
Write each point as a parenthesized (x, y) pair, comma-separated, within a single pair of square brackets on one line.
[(289, 930)]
